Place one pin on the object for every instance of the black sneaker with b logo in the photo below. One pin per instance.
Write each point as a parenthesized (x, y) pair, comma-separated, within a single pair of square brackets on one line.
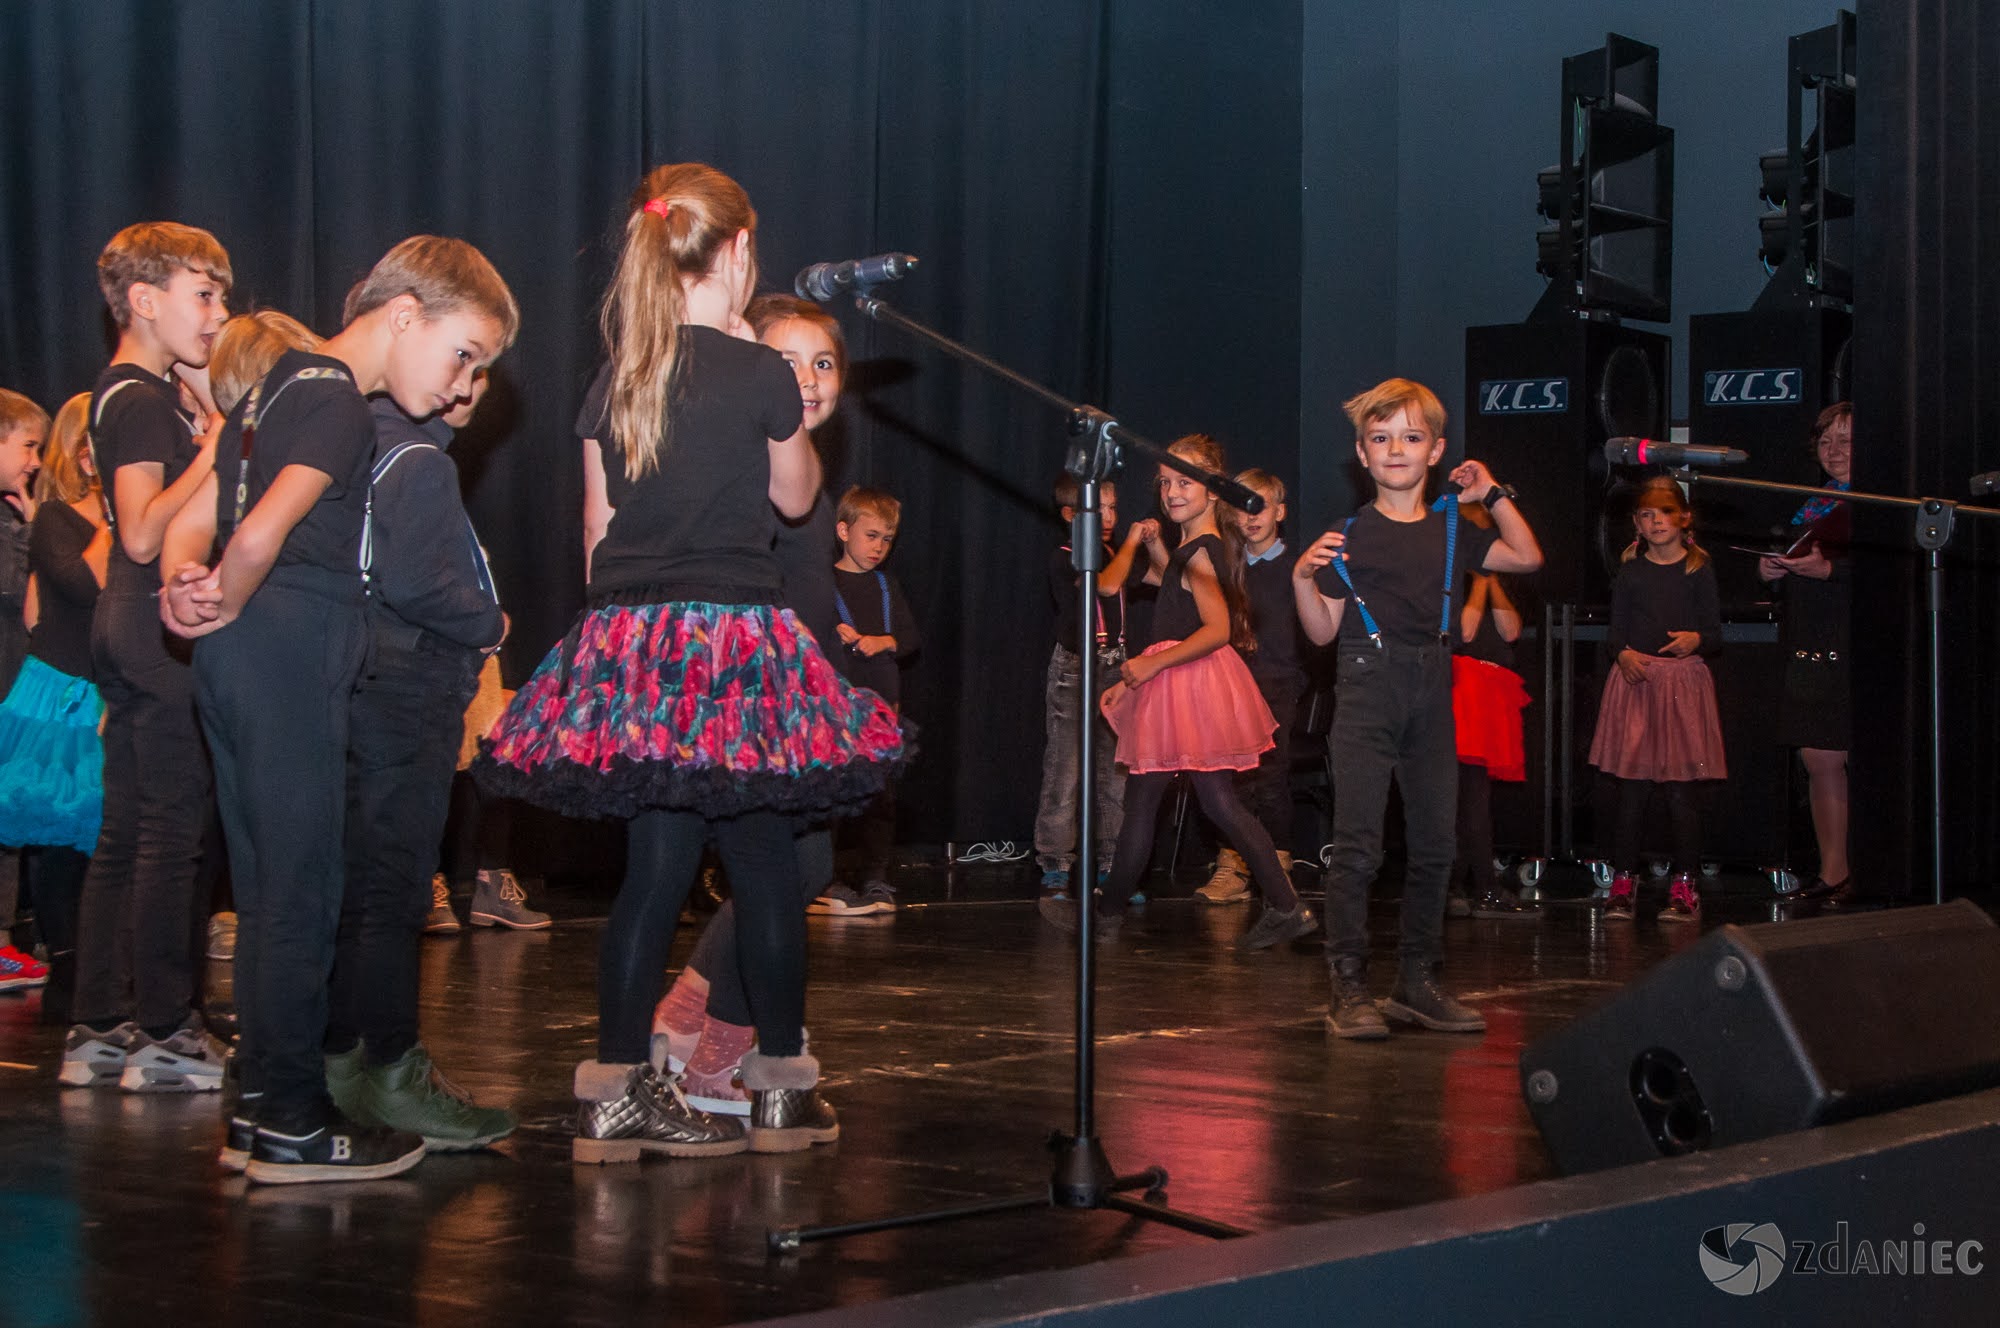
[(283, 1153)]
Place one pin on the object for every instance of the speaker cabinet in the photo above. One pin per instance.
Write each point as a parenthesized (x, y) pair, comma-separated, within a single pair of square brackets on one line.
[(1755, 1031), (1541, 399)]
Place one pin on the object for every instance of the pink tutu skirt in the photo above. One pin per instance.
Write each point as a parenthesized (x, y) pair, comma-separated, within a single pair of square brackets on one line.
[(1664, 729), (1206, 714)]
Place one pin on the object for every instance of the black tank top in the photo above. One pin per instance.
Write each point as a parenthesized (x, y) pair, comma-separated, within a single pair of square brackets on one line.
[(1176, 616)]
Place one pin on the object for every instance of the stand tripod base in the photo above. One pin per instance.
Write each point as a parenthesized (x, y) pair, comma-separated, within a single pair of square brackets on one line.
[(1083, 1179)]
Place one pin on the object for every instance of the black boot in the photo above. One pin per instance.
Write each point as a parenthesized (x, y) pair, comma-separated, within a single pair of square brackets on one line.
[(1349, 1012), (1418, 999)]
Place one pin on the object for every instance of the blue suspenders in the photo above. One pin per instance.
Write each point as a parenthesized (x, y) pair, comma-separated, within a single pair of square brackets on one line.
[(1448, 504), (846, 616)]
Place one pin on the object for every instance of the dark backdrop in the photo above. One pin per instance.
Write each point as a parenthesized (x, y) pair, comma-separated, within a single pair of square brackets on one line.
[(1014, 147)]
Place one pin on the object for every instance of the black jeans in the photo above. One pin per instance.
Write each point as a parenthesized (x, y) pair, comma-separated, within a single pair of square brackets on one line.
[(1392, 719), (1267, 790), (1475, 830), (662, 854), (404, 724), (274, 688), (715, 955), (138, 910), (54, 876)]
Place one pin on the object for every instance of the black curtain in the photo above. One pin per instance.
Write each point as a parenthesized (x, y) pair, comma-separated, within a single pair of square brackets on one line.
[(1927, 416), (1013, 146)]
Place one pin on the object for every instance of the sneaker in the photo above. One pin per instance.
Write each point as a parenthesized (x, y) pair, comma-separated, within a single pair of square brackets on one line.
[(187, 1061), (1349, 1011), (441, 921), (222, 936), (347, 1084), (1055, 883), (95, 1060), (411, 1095), (1503, 904), (1230, 882), (723, 1094), (650, 1115), (239, 1134), (335, 1151), (1619, 904), (1683, 901), (843, 901), (499, 901), (1418, 999), (1276, 928), (20, 971), (880, 895)]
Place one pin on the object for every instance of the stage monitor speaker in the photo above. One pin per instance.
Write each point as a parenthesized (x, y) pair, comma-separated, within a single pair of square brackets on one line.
[(1757, 381), (1755, 1031), (1541, 398)]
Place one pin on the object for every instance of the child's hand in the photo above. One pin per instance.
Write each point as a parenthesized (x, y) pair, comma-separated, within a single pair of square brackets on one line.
[(1473, 479), (1681, 644), (1147, 531), (848, 636), (1137, 672), (1318, 554), (191, 602), (1633, 665), (870, 646)]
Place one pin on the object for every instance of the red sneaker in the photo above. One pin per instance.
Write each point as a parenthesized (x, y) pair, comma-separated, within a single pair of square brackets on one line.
[(1619, 905), (1683, 903), (19, 971)]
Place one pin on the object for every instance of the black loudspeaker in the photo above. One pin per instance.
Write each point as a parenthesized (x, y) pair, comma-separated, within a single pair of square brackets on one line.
[(1541, 398), (1757, 381), (1754, 1031)]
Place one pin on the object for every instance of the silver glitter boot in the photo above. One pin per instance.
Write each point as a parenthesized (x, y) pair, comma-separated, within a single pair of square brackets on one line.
[(625, 1110)]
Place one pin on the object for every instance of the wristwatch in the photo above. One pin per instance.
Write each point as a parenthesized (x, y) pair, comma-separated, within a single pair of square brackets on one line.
[(1497, 493)]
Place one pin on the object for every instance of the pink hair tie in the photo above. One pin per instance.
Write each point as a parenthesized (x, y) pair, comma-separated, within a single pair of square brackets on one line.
[(659, 207)]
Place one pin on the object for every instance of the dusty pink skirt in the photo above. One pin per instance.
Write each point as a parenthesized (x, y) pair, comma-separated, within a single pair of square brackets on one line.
[(1664, 729), (1206, 714)]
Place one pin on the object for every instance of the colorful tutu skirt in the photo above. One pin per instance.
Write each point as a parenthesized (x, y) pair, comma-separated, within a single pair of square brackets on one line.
[(717, 709), (1665, 729), (1206, 714), (51, 760), (1486, 705)]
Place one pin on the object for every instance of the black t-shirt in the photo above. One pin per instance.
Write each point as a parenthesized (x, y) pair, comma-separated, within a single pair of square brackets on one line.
[(805, 553), (137, 418), (320, 421), (1649, 600), (699, 526), (874, 606), (65, 588), (1063, 590), (1274, 617), (1398, 568), (1486, 644)]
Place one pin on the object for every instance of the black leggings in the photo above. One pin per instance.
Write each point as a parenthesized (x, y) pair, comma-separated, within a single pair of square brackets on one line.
[(1216, 791), (662, 855), (1629, 845), (1475, 829), (715, 954)]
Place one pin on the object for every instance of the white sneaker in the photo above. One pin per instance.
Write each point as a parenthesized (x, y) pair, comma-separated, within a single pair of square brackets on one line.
[(92, 1059), (190, 1061)]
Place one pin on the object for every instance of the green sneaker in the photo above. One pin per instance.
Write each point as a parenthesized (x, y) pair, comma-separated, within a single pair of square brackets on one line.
[(412, 1095), (347, 1084)]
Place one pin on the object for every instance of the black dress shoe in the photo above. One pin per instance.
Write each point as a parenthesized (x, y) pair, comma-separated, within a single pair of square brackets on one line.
[(1821, 888), (1844, 897)]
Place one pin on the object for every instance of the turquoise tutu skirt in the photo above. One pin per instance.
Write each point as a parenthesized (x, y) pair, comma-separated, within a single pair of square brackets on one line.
[(51, 760)]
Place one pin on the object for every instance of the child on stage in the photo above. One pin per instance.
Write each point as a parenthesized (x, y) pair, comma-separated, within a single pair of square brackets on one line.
[(1658, 731), (1394, 564)]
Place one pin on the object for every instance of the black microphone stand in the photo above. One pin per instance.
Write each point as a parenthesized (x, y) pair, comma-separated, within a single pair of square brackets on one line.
[(1936, 522), (1083, 1177)]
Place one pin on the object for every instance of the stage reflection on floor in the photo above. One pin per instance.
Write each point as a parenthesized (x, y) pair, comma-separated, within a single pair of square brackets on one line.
[(946, 1031)]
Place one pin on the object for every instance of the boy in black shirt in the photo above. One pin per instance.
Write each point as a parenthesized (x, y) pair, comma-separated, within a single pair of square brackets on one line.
[(877, 634), (1393, 715)]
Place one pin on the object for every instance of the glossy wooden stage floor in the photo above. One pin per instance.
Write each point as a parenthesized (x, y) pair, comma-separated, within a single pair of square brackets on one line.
[(946, 1033)]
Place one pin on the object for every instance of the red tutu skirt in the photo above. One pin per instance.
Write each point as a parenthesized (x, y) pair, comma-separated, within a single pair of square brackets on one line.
[(1664, 729), (1486, 704), (1206, 714)]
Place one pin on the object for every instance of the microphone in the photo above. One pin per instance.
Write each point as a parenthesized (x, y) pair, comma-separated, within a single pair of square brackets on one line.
[(823, 281), (1647, 452), (1986, 482)]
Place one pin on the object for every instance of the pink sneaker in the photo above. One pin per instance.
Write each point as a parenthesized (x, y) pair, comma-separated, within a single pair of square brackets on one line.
[(1619, 905), (1683, 903), (19, 971)]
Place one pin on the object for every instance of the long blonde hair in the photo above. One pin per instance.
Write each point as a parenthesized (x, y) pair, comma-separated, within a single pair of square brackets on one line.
[(1205, 452), (681, 218), (63, 477)]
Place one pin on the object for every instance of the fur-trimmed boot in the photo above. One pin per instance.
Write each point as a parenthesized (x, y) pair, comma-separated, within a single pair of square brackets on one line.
[(625, 1110), (787, 1115)]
